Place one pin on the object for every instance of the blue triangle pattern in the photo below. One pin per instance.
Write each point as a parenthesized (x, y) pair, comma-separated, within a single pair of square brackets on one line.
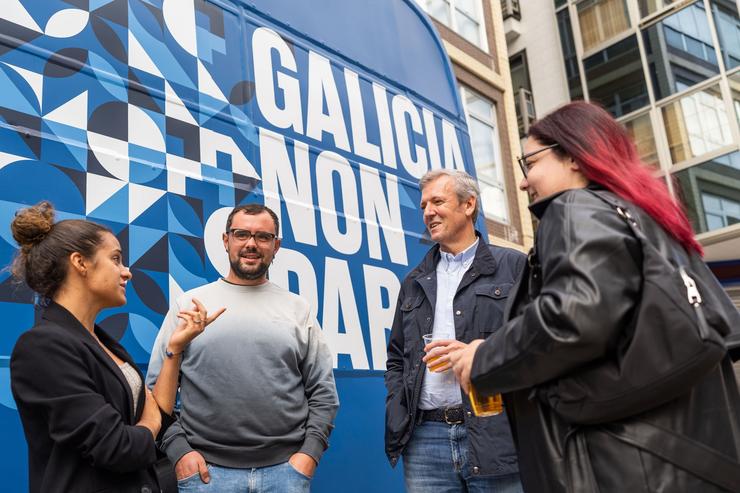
[(141, 239), (156, 215), (114, 208)]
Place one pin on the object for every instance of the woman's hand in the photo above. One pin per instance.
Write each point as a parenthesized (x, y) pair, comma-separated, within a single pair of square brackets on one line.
[(461, 361), (193, 323), (150, 416)]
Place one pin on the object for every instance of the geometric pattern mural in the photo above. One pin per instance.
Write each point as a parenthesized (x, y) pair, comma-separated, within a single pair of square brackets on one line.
[(143, 115), (90, 122)]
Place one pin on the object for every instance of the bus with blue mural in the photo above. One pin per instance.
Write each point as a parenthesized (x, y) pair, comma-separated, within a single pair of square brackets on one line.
[(157, 117)]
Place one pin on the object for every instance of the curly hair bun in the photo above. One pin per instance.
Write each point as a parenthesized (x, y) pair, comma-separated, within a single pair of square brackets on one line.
[(31, 225)]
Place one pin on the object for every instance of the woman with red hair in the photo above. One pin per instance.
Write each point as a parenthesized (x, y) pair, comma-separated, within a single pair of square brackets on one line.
[(574, 311)]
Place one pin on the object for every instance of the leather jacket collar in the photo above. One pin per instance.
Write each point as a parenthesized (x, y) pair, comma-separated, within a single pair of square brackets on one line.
[(538, 208)]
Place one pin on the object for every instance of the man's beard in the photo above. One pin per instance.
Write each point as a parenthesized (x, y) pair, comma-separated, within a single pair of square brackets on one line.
[(254, 272)]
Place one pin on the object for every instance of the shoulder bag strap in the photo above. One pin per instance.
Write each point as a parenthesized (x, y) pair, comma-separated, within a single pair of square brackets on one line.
[(681, 451)]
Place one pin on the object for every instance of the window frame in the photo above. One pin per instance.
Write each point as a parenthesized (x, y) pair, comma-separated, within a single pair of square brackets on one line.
[(498, 163), (453, 13)]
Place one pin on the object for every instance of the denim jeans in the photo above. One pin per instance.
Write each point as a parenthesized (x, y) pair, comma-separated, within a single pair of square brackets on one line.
[(280, 478), (436, 461)]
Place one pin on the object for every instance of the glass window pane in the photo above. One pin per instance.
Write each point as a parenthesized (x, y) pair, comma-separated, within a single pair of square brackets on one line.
[(647, 7), (696, 124), (440, 10), (735, 88), (519, 71), (679, 51), (711, 193), (468, 28), (727, 20), (483, 145), (567, 44), (711, 203), (481, 108), (615, 78), (481, 116), (468, 6), (714, 222), (601, 20), (641, 131), (493, 201)]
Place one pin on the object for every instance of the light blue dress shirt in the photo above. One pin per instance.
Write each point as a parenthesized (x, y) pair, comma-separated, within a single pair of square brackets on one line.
[(440, 390)]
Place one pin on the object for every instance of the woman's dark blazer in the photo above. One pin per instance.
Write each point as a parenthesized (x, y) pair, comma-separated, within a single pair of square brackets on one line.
[(77, 410)]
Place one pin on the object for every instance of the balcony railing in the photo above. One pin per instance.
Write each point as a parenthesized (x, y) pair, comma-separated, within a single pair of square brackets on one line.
[(510, 8)]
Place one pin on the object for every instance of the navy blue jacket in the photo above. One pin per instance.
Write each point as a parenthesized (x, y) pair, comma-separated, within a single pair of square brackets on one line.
[(479, 308)]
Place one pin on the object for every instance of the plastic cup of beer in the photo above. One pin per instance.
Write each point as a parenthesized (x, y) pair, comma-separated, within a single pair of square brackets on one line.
[(485, 405), (428, 338)]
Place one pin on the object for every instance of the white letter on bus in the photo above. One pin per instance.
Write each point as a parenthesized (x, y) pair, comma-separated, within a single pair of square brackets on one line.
[(357, 118), (453, 155), (402, 106), (327, 164), (380, 318), (321, 84), (384, 126), (377, 211), (278, 177), (338, 291), (263, 42)]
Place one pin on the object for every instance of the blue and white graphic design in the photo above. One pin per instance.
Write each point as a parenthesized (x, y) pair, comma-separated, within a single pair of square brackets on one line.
[(156, 117)]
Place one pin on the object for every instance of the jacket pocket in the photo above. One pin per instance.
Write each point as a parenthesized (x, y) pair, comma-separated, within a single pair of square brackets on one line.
[(490, 302), (415, 319), (495, 291)]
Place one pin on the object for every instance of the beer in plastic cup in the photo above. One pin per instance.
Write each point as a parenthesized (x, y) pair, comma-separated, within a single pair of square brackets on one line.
[(428, 338), (485, 405)]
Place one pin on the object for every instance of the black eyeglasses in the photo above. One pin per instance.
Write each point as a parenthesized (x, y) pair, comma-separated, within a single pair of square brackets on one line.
[(244, 235), (524, 165)]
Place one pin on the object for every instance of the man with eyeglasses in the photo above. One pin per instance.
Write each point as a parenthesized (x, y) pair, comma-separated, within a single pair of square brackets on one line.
[(257, 393)]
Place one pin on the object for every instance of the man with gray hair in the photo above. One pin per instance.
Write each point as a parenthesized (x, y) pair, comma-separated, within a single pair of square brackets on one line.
[(456, 294)]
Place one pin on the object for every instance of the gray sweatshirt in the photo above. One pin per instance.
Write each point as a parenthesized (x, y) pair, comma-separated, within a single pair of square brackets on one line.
[(257, 385)]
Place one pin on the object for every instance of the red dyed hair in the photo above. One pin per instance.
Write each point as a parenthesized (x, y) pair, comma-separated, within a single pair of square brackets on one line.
[(607, 156)]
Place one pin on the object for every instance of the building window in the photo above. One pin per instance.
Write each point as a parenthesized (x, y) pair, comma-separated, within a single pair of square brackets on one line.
[(697, 124), (601, 20), (727, 20), (568, 45), (486, 148), (523, 99), (735, 89), (648, 7), (641, 131), (679, 51), (710, 191), (465, 17), (720, 211), (615, 78)]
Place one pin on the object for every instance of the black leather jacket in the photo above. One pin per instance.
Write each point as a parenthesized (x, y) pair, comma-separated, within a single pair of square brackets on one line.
[(568, 319), (479, 308)]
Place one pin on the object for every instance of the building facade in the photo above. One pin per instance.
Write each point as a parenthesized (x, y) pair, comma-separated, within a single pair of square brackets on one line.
[(670, 72), (473, 35)]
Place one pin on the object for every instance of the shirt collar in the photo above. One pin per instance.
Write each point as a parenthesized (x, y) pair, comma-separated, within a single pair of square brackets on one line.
[(464, 258)]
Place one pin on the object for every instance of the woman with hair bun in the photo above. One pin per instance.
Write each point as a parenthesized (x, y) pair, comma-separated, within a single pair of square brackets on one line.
[(90, 423), (583, 420)]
